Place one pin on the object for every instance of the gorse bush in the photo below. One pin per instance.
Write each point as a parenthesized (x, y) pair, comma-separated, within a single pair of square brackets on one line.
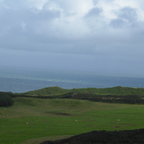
[(5, 99)]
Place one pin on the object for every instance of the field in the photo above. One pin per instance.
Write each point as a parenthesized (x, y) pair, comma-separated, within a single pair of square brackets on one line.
[(32, 120)]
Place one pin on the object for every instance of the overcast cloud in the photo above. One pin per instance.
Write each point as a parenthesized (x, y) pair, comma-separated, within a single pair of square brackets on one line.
[(101, 36)]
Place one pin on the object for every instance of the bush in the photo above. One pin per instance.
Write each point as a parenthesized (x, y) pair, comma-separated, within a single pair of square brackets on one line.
[(5, 99)]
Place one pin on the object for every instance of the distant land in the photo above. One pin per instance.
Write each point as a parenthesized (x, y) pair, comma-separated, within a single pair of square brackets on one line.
[(24, 79), (57, 91), (117, 94)]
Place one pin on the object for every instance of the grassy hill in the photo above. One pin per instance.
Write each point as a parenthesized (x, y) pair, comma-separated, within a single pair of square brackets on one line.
[(49, 91), (36, 120), (112, 95), (55, 91)]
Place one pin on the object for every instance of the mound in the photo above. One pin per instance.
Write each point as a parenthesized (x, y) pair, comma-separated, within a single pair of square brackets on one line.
[(48, 91), (104, 137)]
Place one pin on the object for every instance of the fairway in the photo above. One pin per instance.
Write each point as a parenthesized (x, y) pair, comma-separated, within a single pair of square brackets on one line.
[(31, 118)]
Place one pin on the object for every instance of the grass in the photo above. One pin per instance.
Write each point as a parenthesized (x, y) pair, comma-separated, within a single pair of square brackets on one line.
[(48, 91), (56, 91), (35, 120), (39, 140)]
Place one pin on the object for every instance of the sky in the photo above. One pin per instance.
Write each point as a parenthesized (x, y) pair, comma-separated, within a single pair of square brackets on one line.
[(99, 36)]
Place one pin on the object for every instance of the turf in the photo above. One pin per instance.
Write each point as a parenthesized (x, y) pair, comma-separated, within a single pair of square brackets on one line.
[(35, 118), (56, 91)]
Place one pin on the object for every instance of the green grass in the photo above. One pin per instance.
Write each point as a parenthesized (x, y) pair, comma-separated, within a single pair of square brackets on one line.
[(56, 91), (48, 91), (36, 119)]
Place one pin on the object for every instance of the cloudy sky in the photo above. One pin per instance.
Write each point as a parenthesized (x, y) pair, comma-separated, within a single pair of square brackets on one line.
[(100, 36)]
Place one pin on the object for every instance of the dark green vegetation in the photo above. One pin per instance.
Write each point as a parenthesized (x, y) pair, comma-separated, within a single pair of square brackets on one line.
[(111, 95), (104, 137), (56, 91), (63, 114), (6, 99)]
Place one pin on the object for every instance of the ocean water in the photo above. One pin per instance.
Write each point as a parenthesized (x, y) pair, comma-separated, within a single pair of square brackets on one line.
[(23, 81)]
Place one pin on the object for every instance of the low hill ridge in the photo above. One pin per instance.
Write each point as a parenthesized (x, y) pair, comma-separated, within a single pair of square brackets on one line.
[(55, 91), (48, 91)]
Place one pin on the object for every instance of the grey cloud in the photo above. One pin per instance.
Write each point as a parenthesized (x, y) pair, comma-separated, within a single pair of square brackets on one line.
[(27, 33), (117, 23), (11, 4), (44, 15), (95, 2), (128, 13), (126, 17), (94, 20), (10, 17), (19, 27), (94, 12)]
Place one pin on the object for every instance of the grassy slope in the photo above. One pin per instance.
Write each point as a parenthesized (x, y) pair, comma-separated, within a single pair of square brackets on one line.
[(35, 118), (54, 91), (49, 91)]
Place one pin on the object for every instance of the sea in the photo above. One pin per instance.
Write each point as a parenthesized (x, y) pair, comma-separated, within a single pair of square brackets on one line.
[(18, 81)]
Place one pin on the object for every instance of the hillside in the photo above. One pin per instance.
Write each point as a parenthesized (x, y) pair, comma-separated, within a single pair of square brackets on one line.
[(48, 91), (29, 119), (56, 91)]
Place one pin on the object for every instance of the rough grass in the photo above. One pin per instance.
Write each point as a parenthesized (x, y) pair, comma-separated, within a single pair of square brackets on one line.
[(49, 91), (39, 140), (56, 91), (35, 119)]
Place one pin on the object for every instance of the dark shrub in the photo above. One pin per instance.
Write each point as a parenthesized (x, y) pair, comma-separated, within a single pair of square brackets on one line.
[(6, 99)]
